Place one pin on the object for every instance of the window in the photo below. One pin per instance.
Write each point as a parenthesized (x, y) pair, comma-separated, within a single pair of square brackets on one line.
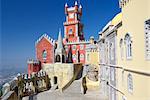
[(111, 51), (44, 55), (130, 83), (74, 47), (71, 15), (121, 48), (88, 57), (112, 73), (81, 47), (128, 43), (122, 77), (74, 57), (147, 39), (82, 56), (66, 47), (70, 31)]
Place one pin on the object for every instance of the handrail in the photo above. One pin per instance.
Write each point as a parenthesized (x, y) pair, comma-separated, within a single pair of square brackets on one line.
[(114, 88), (128, 70)]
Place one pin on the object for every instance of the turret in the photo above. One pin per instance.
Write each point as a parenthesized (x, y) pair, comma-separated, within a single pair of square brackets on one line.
[(73, 28), (66, 6), (76, 6), (80, 9)]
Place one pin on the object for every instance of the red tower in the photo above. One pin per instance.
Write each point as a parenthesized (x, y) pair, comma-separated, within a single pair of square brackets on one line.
[(73, 27), (73, 33)]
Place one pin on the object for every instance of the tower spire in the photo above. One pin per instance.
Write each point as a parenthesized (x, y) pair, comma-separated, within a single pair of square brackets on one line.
[(59, 44), (76, 3), (66, 5)]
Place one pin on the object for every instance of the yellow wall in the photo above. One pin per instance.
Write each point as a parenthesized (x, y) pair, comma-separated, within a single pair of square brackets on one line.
[(134, 14), (93, 57), (64, 72)]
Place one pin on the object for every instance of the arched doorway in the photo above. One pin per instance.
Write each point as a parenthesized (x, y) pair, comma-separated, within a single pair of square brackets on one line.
[(57, 59), (55, 80), (63, 59)]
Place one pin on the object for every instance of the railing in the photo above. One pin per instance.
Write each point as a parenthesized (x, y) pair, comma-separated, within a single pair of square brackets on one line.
[(124, 69), (114, 88)]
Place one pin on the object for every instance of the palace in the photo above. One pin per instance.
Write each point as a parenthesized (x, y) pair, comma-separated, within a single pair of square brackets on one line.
[(70, 49)]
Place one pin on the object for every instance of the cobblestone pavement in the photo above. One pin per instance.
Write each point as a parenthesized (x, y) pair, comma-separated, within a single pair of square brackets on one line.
[(57, 95)]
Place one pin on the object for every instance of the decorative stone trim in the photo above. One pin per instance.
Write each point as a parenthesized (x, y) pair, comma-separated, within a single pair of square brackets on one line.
[(71, 22)]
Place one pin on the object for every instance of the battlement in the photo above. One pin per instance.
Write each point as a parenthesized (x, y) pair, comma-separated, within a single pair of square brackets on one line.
[(32, 61), (122, 3), (52, 41), (78, 42), (75, 8)]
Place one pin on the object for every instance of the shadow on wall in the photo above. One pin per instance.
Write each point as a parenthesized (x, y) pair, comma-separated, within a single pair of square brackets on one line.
[(78, 68)]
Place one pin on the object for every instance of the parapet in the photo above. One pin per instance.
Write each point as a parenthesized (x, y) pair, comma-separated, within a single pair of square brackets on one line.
[(79, 42), (32, 61), (52, 41)]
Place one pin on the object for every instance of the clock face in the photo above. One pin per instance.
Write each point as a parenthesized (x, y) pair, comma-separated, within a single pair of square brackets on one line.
[(71, 15)]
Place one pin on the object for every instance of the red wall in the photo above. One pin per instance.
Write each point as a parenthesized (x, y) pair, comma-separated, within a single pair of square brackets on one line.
[(80, 52), (42, 45), (34, 67)]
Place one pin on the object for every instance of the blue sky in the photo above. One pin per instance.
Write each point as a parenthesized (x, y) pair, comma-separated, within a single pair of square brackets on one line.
[(24, 21)]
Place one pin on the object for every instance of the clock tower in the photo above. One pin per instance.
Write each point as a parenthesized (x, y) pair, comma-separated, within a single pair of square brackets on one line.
[(73, 28)]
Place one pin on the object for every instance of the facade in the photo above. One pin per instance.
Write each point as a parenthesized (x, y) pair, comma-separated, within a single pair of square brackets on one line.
[(70, 49), (124, 51), (108, 56), (45, 49)]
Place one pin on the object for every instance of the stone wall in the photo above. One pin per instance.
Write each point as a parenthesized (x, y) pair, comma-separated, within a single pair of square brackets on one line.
[(59, 73)]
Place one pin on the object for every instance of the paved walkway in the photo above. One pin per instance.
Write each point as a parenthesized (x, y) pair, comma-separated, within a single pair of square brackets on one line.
[(56, 95), (73, 92)]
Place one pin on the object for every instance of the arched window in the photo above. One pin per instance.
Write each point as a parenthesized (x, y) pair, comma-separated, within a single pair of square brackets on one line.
[(57, 59), (74, 57), (81, 47), (82, 56), (70, 31), (74, 47), (130, 83), (44, 54), (121, 48), (128, 43)]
